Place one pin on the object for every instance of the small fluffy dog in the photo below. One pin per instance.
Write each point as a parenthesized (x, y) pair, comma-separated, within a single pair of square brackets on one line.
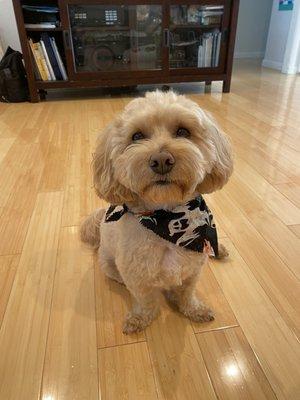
[(154, 159)]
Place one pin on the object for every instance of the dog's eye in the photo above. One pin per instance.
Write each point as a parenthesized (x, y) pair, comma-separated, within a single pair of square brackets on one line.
[(183, 132), (137, 136)]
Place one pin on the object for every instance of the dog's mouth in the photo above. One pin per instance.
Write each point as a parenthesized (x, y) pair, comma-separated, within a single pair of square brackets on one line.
[(162, 182)]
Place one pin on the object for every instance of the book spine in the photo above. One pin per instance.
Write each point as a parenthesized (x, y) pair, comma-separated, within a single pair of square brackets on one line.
[(43, 61), (218, 48), (52, 75), (39, 62), (37, 72), (214, 48), (59, 60), (204, 52)]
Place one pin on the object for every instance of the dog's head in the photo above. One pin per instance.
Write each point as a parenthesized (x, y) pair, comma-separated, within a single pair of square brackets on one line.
[(163, 149)]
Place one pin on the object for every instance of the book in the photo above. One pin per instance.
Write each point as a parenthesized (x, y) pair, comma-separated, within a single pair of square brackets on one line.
[(58, 58), (47, 25), (37, 56), (43, 61), (218, 48), (208, 50), (51, 56), (52, 75), (200, 56), (37, 72)]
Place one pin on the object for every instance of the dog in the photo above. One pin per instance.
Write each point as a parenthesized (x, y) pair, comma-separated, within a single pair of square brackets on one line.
[(157, 157)]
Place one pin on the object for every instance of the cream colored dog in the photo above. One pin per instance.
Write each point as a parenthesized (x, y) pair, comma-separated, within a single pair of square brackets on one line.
[(162, 151)]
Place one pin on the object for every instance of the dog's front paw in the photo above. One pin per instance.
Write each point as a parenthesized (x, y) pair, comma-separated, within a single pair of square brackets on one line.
[(223, 252), (200, 313), (134, 323)]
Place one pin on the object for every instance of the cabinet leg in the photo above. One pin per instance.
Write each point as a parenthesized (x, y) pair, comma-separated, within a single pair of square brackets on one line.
[(207, 87), (33, 93), (226, 85), (43, 94)]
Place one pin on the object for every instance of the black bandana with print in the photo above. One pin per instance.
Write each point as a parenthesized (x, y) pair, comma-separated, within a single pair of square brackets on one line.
[(190, 226)]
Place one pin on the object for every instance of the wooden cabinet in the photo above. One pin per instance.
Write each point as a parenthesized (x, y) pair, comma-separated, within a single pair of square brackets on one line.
[(125, 43)]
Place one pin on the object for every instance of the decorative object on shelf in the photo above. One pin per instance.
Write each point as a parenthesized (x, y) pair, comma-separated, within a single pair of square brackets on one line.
[(286, 5), (193, 14), (142, 13)]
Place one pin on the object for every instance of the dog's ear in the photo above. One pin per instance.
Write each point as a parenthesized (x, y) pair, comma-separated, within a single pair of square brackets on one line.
[(221, 162), (105, 183)]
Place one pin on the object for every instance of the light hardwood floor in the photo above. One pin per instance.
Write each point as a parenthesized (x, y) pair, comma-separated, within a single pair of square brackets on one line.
[(61, 319)]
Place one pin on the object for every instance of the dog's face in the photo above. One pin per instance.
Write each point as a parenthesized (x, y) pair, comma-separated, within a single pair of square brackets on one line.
[(163, 149)]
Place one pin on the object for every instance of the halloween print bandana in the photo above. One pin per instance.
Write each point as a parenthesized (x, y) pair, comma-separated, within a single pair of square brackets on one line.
[(190, 226)]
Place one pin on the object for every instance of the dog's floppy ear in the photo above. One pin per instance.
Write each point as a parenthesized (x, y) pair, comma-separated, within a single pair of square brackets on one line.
[(222, 163), (106, 186)]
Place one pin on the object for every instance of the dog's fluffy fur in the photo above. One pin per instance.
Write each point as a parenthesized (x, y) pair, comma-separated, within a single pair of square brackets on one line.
[(129, 253)]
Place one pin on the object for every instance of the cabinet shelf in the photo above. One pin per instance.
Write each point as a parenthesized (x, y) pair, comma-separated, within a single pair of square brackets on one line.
[(44, 29), (191, 26), (100, 28)]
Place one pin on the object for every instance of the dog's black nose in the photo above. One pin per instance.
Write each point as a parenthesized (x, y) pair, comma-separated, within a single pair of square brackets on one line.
[(161, 163)]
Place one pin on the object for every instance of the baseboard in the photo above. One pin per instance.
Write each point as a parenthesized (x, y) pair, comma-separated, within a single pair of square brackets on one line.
[(272, 64), (253, 54)]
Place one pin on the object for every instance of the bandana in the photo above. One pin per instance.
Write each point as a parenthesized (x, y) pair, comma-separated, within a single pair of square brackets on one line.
[(190, 226)]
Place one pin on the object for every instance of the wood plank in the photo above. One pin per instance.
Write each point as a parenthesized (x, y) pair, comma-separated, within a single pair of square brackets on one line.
[(179, 368), (80, 198), (273, 275), (233, 367), (276, 233), (17, 211), (5, 145), (24, 329), (291, 190), (70, 369), (126, 373), (211, 293), (8, 268), (55, 144), (113, 301), (295, 229), (267, 193), (273, 342), (12, 171)]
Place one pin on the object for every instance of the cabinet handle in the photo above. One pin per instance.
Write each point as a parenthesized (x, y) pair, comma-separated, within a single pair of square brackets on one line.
[(166, 37), (67, 39)]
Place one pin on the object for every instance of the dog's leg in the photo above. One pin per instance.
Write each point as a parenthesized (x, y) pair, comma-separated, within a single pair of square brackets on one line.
[(185, 299), (109, 267), (144, 310)]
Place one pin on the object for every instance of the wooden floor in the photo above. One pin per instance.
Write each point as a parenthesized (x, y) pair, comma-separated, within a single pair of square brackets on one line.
[(61, 336)]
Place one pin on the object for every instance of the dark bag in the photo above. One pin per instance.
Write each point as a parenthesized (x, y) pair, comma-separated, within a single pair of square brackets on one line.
[(13, 80)]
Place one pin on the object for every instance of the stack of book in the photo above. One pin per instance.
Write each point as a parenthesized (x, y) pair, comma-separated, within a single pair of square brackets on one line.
[(209, 50), (41, 16), (211, 15), (47, 59)]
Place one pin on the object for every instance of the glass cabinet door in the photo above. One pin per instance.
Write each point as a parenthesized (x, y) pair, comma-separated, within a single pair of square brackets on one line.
[(195, 36), (114, 38)]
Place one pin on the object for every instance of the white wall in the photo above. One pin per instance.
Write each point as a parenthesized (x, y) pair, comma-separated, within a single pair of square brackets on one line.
[(252, 29), (8, 28), (277, 37)]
